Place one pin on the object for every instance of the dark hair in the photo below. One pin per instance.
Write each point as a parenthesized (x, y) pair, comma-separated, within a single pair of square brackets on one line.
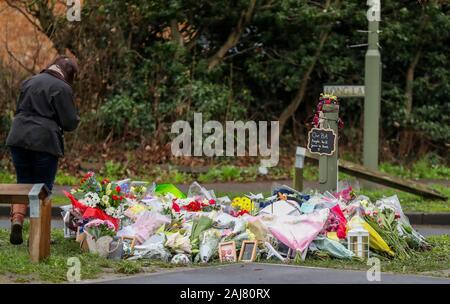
[(68, 66)]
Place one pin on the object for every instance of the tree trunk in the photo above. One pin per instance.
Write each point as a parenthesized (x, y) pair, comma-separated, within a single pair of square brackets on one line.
[(409, 83), (234, 36), (176, 36), (413, 64), (299, 96)]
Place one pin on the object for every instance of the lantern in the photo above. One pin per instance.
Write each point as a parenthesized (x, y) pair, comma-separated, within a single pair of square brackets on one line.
[(358, 242)]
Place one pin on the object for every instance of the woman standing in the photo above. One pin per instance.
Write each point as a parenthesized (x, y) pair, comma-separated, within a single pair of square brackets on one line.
[(45, 110)]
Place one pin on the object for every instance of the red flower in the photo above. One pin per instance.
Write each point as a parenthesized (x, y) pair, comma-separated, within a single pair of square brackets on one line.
[(118, 189), (212, 202), (121, 197), (105, 181), (242, 212), (175, 207), (114, 197), (193, 207)]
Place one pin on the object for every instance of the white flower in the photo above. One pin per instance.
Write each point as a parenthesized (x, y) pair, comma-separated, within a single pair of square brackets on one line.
[(105, 200), (91, 199), (73, 191)]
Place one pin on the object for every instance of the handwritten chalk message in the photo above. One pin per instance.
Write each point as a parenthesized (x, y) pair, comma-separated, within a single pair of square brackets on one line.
[(321, 141)]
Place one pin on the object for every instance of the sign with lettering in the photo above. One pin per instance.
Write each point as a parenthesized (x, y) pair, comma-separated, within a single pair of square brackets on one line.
[(345, 90), (321, 141)]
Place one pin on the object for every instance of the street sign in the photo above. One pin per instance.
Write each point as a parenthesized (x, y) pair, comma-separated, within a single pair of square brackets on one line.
[(322, 141), (345, 90)]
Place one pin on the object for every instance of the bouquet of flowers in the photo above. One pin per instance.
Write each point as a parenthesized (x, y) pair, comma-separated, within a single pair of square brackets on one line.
[(99, 228), (243, 205), (385, 223), (336, 222), (101, 200)]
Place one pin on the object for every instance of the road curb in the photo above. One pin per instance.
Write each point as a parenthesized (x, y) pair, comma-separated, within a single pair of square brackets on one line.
[(416, 218)]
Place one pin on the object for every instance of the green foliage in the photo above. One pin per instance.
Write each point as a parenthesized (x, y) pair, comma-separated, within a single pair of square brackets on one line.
[(122, 113), (113, 170), (425, 168), (64, 178), (138, 77)]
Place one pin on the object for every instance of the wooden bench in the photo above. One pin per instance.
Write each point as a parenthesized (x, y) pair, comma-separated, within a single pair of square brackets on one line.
[(37, 197)]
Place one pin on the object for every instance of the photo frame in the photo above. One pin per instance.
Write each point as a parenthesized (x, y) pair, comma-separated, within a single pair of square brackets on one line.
[(248, 251), (227, 252), (80, 236), (129, 243)]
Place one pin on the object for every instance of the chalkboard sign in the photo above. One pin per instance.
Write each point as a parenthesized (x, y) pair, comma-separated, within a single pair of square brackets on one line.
[(321, 141)]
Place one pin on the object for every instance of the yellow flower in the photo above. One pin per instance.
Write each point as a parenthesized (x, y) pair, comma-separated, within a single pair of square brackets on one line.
[(108, 189)]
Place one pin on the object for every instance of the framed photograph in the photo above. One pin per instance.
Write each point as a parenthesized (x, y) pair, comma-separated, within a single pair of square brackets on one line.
[(248, 251), (128, 243), (227, 252)]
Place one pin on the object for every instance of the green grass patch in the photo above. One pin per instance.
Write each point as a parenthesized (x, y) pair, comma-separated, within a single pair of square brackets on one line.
[(411, 202), (422, 169), (15, 260)]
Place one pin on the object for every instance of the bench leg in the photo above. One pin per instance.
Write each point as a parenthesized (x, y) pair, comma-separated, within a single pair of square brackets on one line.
[(40, 229)]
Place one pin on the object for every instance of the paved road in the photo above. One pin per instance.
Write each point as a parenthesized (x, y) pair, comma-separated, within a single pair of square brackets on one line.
[(271, 274)]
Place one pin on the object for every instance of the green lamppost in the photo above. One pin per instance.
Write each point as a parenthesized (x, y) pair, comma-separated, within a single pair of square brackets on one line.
[(372, 89)]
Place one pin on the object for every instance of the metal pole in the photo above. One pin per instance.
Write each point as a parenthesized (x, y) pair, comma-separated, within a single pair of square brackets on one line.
[(328, 165), (298, 173), (372, 89)]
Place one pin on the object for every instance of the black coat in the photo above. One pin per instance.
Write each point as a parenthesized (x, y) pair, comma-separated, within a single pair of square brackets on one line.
[(45, 110)]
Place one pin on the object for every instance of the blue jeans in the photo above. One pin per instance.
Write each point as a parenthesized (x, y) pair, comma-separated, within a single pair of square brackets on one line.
[(32, 167)]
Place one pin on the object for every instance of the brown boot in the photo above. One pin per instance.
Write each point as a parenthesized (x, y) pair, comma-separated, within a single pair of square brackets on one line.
[(18, 213), (16, 233)]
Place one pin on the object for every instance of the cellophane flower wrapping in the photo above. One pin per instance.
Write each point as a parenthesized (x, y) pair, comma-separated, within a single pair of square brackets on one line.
[(297, 232), (209, 243), (146, 224), (179, 243)]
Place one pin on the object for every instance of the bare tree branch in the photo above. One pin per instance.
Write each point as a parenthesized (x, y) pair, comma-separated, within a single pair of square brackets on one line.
[(24, 13), (234, 36)]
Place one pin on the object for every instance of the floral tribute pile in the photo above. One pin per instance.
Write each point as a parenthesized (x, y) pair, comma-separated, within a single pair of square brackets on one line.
[(135, 220)]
